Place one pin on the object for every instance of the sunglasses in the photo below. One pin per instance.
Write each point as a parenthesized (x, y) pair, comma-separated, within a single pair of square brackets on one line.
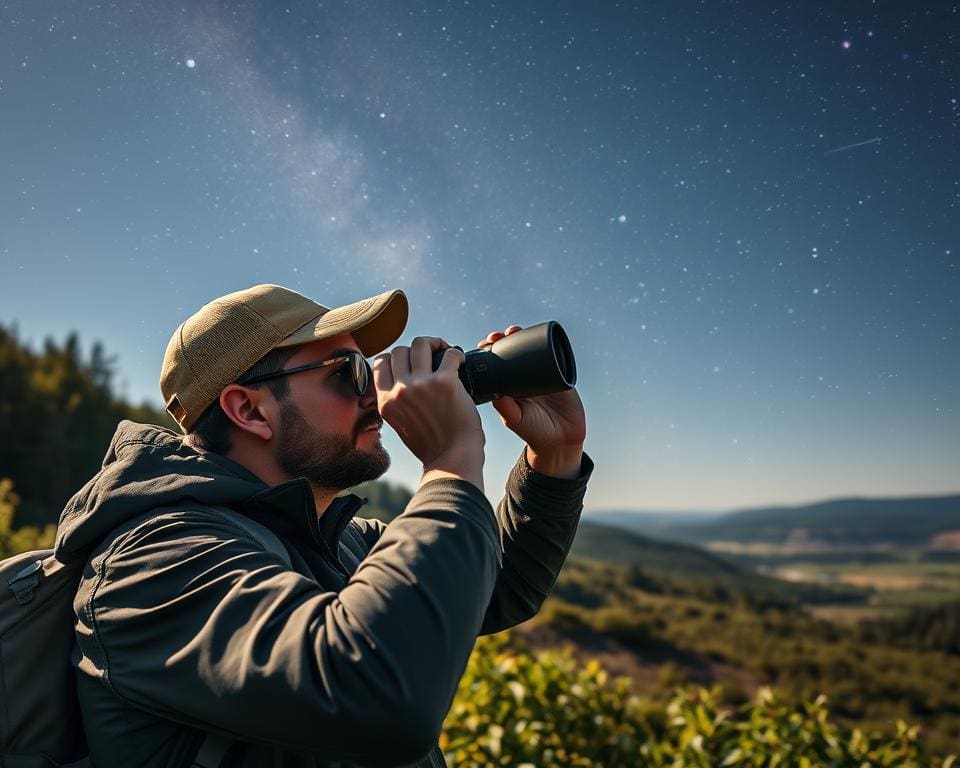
[(353, 363)]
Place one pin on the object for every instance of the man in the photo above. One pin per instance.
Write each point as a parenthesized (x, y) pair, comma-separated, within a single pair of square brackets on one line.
[(230, 597)]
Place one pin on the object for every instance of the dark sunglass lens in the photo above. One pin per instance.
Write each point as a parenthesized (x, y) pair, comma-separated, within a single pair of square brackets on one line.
[(361, 373)]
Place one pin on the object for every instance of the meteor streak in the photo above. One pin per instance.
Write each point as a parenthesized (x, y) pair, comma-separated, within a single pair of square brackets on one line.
[(851, 146)]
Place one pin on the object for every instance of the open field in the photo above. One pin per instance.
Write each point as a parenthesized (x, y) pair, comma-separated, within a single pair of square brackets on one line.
[(894, 586), (882, 577), (665, 630)]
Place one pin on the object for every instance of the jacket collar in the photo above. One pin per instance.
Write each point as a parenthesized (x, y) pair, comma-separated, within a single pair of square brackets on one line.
[(289, 509)]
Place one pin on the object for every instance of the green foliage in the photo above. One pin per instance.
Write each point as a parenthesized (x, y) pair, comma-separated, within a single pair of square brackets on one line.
[(25, 538), (935, 628), (57, 415), (871, 677), (516, 709), (384, 500), (768, 732)]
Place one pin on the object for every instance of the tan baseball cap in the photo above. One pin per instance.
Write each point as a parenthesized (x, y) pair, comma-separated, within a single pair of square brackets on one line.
[(212, 348)]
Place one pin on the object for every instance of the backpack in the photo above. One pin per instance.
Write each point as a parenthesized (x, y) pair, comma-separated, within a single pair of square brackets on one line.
[(40, 720)]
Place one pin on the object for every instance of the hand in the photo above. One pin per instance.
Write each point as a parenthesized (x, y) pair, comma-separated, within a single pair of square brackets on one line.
[(553, 426), (430, 410)]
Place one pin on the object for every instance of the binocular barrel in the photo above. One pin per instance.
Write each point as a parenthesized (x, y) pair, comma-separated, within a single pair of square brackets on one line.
[(534, 361)]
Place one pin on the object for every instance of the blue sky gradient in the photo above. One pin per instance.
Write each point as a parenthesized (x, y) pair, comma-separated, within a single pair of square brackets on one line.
[(746, 215)]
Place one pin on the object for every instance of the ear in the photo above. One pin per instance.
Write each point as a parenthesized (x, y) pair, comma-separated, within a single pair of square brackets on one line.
[(251, 410)]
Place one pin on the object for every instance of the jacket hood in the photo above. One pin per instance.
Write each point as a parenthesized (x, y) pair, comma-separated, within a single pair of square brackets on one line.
[(146, 467)]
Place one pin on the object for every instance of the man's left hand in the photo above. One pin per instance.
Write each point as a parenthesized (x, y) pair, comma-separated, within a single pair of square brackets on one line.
[(553, 426)]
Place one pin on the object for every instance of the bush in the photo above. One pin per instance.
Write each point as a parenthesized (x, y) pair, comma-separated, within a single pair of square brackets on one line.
[(520, 710), (515, 709), (622, 624), (13, 541)]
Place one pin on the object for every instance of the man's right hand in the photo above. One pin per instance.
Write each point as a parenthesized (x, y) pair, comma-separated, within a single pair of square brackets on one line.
[(430, 410)]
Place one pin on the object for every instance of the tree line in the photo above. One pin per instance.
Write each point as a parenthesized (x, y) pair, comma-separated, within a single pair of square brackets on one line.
[(58, 412)]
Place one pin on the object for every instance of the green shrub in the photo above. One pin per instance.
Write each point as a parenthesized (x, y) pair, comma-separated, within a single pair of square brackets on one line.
[(23, 539), (516, 709), (547, 711)]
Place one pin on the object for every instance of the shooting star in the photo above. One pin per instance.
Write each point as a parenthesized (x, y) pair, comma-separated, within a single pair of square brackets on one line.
[(875, 140)]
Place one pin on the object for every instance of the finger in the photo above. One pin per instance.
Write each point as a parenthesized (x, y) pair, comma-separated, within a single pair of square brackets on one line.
[(509, 410), (513, 329), (421, 353), (382, 372), (453, 358), (400, 363), (491, 338)]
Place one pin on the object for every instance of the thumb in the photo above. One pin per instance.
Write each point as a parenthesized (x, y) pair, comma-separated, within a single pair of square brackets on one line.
[(510, 412)]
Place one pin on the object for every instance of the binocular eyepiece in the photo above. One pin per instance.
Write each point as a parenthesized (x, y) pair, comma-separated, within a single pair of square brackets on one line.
[(534, 361)]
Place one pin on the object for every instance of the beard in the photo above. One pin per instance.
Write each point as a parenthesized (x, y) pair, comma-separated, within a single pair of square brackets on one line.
[(330, 462)]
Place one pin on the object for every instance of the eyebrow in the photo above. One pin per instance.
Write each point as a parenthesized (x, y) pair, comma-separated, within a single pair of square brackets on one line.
[(339, 353)]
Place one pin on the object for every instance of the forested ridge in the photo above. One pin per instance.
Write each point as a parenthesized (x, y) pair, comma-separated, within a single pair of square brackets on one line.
[(58, 412)]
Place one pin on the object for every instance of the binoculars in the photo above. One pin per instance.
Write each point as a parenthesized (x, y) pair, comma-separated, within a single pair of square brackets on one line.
[(534, 361)]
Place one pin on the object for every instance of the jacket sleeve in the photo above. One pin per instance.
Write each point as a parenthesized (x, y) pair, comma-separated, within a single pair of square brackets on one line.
[(192, 620), (538, 520)]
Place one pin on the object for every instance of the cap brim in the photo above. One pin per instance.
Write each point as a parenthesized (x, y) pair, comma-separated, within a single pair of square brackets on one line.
[(375, 323)]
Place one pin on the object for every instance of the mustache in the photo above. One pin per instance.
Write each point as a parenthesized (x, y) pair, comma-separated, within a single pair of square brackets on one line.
[(372, 421)]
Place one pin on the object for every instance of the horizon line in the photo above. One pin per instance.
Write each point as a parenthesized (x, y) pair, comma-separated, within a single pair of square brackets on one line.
[(751, 507)]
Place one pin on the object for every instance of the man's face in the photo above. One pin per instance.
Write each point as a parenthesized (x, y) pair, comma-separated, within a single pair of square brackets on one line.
[(329, 434)]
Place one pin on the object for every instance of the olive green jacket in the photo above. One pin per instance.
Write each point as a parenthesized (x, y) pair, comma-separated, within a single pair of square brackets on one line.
[(187, 624)]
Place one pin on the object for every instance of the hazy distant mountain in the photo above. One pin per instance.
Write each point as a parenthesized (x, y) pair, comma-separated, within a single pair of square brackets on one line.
[(683, 563), (926, 521), (617, 547), (646, 522)]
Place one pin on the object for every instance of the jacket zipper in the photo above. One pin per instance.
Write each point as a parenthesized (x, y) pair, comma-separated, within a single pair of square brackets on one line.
[(333, 560)]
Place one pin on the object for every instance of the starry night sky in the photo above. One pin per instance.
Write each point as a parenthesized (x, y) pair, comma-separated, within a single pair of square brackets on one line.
[(745, 214)]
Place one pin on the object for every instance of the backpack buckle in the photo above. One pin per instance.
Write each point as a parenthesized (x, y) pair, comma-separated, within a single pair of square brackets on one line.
[(23, 584)]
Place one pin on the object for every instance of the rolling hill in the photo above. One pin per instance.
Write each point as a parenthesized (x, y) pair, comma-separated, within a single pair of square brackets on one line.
[(925, 521), (681, 568)]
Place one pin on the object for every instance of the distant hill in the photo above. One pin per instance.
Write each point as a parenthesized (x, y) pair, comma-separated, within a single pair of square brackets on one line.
[(617, 547), (926, 521), (684, 564), (647, 522)]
